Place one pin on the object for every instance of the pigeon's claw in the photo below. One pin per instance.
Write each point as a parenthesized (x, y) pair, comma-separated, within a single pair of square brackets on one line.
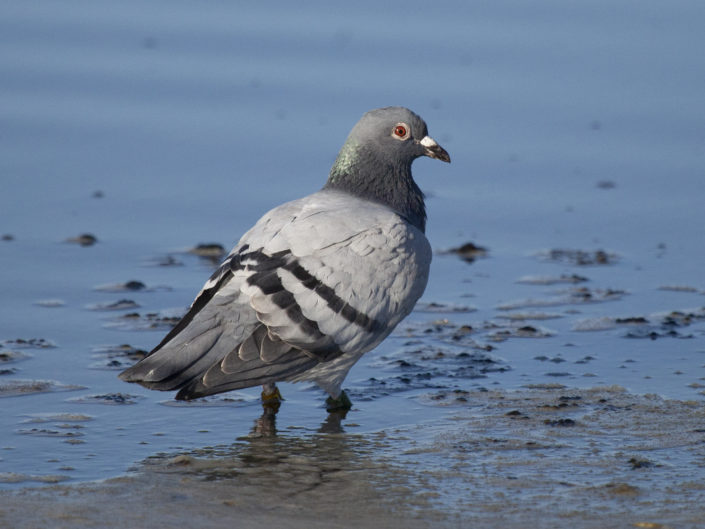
[(341, 403), (271, 397)]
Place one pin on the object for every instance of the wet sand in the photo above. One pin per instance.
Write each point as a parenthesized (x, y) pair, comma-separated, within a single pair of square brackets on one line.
[(543, 457)]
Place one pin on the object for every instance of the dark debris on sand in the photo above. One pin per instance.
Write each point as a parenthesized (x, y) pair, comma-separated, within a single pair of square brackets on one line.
[(580, 257), (117, 357), (468, 252), (85, 239), (148, 321)]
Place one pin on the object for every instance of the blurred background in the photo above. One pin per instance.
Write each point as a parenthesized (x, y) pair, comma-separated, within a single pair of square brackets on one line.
[(192, 119)]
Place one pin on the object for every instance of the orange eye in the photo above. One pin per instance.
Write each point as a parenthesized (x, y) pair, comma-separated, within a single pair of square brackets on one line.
[(400, 130)]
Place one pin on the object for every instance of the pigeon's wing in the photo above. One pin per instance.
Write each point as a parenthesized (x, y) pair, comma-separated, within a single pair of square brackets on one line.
[(315, 279), (219, 318), (335, 280)]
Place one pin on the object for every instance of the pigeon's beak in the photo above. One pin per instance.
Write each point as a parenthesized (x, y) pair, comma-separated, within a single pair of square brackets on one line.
[(433, 150)]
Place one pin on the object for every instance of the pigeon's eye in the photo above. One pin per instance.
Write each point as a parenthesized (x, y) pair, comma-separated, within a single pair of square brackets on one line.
[(401, 131)]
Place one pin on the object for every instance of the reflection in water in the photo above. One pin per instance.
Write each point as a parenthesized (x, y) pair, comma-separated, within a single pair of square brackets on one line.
[(332, 424), (318, 466), (266, 424), (320, 477)]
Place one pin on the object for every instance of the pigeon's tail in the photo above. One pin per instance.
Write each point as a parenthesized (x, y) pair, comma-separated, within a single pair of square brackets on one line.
[(254, 372), (210, 364), (173, 364), (260, 359)]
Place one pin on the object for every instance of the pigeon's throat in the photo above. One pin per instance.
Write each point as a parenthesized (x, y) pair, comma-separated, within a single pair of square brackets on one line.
[(367, 175)]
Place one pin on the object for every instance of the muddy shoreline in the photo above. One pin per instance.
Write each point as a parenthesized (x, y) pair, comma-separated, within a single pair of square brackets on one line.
[(544, 457)]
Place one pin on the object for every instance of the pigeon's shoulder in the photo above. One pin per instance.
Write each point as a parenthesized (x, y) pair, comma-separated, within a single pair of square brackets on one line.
[(314, 222)]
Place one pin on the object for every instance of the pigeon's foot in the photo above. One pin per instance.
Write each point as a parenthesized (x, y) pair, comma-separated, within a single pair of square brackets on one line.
[(271, 397), (342, 403)]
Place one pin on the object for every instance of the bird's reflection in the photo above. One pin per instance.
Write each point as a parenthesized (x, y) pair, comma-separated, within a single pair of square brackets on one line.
[(266, 424), (309, 468), (333, 423), (290, 468)]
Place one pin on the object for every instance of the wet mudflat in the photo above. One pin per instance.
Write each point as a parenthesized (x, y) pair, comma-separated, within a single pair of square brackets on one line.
[(554, 372), (599, 457), (572, 407)]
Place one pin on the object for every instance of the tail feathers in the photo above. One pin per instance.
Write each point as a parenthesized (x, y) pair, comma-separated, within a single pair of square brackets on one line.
[(251, 373), (172, 366), (214, 361)]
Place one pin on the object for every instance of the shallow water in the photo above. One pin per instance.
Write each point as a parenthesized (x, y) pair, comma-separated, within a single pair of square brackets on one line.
[(155, 128)]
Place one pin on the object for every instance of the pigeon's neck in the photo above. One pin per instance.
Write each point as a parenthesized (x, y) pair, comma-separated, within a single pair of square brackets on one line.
[(366, 174)]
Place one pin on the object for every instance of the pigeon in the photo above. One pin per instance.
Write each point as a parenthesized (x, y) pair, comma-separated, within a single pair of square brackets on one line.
[(316, 283)]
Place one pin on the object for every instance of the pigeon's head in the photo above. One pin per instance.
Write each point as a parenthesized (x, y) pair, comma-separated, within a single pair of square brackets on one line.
[(375, 161), (397, 135)]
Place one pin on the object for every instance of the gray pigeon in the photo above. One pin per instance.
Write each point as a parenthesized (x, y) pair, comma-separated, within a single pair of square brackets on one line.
[(316, 283)]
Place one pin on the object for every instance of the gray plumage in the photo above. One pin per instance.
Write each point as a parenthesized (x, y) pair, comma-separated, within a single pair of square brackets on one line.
[(317, 282)]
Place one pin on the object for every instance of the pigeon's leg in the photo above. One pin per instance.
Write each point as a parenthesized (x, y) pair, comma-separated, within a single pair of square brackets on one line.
[(339, 403), (271, 397)]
